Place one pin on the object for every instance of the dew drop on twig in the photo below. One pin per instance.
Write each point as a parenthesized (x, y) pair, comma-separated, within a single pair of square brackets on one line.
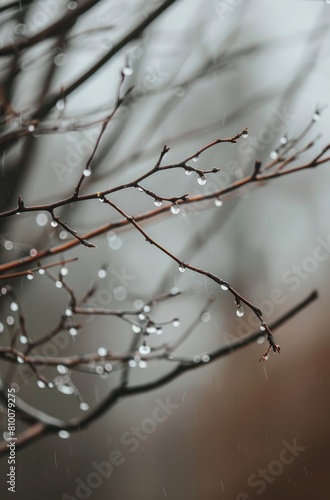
[(175, 209)]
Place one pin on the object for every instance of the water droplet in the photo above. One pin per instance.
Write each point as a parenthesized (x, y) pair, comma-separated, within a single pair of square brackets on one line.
[(127, 71), (41, 219), (143, 364), (41, 271), (262, 327), (84, 406), (41, 384), (62, 369), (283, 140), (64, 271), (9, 245), (175, 209), (205, 317), (23, 339), (30, 276), (239, 311), (51, 385), (60, 104), (188, 172), (144, 349), (65, 389), (72, 5), (102, 351), (218, 202), (33, 252), (87, 172), (140, 189), (182, 268), (136, 328), (197, 359), (142, 316), (158, 202), (63, 434), (245, 134), (3, 290), (20, 360), (265, 357), (146, 308), (132, 363), (151, 329), (175, 291), (14, 306), (201, 180), (73, 331), (273, 155), (224, 286), (10, 320), (176, 322), (206, 358), (53, 223), (68, 312), (58, 284), (102, 273), (108, 367), (195, 159), (316, 116)]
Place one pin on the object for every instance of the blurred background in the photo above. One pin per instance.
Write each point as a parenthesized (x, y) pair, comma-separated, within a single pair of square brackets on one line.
[(235, 429)]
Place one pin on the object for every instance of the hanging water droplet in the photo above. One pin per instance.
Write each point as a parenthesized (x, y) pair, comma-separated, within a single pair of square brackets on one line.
[(201, 180), (64, 271), (63, 434), (239, 311), (188, 172), (205, 317), (84, 406), (62, 369), (142, 316), (158, 202), (73, 331), (206, 358), (218, 202), (245, 134), (23, 339), (14, 306), (143, 364), (182, 268), (58, 284), (132, 363), (102, 351), (68, 312), (60, 104), (144, 349), (175, 209), (151, 329), (316, 116), (53, 223), (283, 140), (274, 155), (262, 327), (127, 71), (140, 189), (102, 273), (10, 320), (31, 128), (65, 389), (41, 219), (146, 308), (87, 172), (224, 286), (30, 276), (41, 271), (136, 328), (195, 159), (41, 384), (20, 360), (175, 291), (176, 322)]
